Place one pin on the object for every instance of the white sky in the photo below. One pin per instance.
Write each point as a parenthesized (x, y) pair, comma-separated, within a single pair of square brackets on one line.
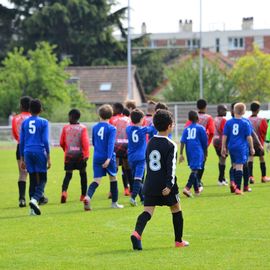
[(163, 15)]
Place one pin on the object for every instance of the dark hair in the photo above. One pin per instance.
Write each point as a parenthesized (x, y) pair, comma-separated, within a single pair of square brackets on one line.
[(232, 107), (130, 104), (25, 103), (136, 115), (35, 106), (126, 112), (162, 119), (74, 114), (255, 106), (201, 104), (105, 111), (161, 106), (221, 109), (193, 116), (118, 108)]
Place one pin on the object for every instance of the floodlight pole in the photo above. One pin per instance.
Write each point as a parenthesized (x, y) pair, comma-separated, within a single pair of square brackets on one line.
[(201, 53), (129, 82)]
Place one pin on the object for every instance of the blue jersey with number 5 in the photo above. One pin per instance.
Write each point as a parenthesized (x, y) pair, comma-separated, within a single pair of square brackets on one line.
[(237, 131), (195, 139), (103, 139), (34, 135)]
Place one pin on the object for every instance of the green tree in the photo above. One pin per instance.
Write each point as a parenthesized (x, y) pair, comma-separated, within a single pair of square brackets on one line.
[(184, 82), (38, 74), (81, 29), (251, 75)]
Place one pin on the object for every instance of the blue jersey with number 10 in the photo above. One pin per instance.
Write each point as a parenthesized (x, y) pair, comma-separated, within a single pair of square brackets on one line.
[(195, 139), (103, 139)]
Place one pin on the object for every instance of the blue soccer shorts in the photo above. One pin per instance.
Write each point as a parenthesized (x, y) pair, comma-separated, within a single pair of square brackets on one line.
[(137, 168), (99, 171), (238, 156), (35, 161)]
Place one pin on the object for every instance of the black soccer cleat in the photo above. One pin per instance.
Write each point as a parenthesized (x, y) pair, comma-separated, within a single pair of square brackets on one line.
[(136, 243), (22, 202), (43, 200), (34, 206)]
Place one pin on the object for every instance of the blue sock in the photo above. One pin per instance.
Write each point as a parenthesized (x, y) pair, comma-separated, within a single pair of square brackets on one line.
[(92, 189), (114, 191), (238, 178), (136, 188)]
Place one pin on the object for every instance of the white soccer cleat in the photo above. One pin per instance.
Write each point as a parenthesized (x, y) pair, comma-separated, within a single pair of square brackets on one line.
[(132, 202), (34, 205), (187, 192), (116, 205), (32, 212), (86, 203), (223, 183)]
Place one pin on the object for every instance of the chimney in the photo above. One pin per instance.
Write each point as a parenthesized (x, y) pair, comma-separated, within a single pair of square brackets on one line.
[(185, 26), (144, 28), (247, 23)]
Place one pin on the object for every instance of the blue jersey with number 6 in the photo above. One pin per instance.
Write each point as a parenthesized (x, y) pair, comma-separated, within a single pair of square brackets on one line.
[(237, 131), (103, 139), (195, 139), (34, 135)]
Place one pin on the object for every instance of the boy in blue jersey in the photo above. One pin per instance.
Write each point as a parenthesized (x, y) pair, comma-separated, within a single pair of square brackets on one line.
[(195, 139), (35, 153), (236, 138), (136, 152), (104, 160)]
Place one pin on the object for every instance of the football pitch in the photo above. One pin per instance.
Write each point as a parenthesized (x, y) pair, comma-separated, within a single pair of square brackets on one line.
[(225, 231)]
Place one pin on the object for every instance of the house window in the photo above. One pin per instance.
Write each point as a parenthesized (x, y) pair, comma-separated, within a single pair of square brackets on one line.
[(193, 43), (105, 87), (236, 43), (74, 80)]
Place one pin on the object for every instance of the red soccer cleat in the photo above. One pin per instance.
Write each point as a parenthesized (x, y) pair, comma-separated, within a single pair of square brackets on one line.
[(181, 244), (238, 192), (82, 198), (126, 192), (265, 179), (64, 197), (232, 186)]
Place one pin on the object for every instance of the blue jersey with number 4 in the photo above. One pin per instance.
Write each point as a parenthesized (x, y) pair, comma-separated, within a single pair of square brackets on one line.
[(237, 131), (195, 139), (103, 139), (34, 135)]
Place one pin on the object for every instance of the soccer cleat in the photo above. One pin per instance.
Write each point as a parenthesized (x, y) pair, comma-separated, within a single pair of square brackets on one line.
[(34, 205), (32, 212), (43, 200), (238, 192), (126, 192), (136, 241), (247, 189), (181, 244), (116, 205), (22, 202), (232, 186), (187, 192), (82, 198), (201, 189), (132, 202), (197, 193), (64, 197), (86, 203), (265, 179), (251, 180), (223, 183)]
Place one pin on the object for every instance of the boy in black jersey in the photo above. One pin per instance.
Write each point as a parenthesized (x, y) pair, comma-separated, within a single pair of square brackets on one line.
[(160, 187)]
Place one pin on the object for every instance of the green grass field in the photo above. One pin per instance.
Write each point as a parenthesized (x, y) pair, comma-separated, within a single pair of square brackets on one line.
[(225, 231)]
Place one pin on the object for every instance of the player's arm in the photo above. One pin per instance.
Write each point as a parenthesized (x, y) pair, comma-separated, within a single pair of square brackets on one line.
[(14, 129), (181, 158), (224, 145), (251, 147), (204, 142), (63, 139), (110, 148), (22, 143), (85, 143), (210, 129), (45, 140)]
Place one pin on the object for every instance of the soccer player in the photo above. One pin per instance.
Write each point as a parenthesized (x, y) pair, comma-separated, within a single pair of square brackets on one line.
[(160, 187), (35, 153), (104, 161), (16, 127), (194, 138), (220, 121), (136, 152), (260, 128), (75, 143), (148, 119), (120, 121), (207, 122), (237, 132)]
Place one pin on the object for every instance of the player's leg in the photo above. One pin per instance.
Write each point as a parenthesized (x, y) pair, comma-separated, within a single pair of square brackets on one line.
[(138, 168), (246, 178), (83, 177), (142, 220), (178, 222), (191, 180), (221, 167), (127, 174), (200, 174), (114, 192), (264, 178), (65, 183), (238, 177), (250, 170), (91, 190)]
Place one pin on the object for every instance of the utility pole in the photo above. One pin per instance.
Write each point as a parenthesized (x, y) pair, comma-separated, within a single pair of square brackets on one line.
[(201, 53), (129, 81)]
